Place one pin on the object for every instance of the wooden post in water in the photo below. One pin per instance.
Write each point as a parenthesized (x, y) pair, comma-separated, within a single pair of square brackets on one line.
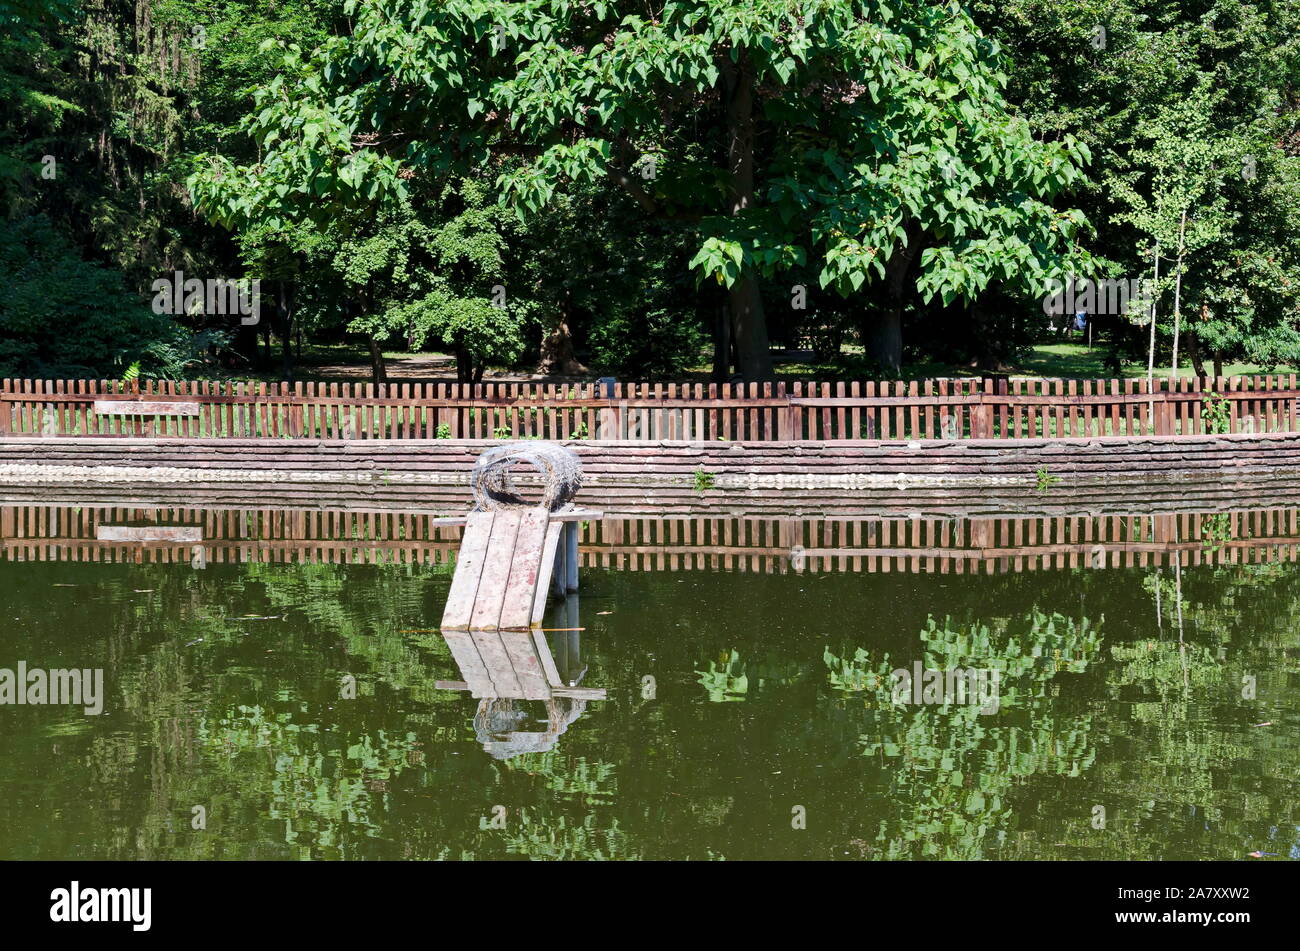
[(546, 583), (571, 557), (560, 568)]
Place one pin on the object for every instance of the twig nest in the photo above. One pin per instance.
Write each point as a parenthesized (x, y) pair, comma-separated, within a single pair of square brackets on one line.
[(493, 488)]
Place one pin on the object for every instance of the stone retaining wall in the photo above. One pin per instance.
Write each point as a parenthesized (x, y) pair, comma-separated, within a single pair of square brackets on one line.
[(844, 463)]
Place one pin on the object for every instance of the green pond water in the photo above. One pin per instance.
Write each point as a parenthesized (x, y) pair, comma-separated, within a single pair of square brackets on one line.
[(747, 716)]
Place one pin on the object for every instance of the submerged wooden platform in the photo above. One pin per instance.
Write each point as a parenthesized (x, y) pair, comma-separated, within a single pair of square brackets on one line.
[(509, 561)]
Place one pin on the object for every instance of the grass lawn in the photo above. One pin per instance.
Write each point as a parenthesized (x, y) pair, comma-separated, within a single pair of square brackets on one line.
[(1068, 360), (1075, 360), (337, 362)]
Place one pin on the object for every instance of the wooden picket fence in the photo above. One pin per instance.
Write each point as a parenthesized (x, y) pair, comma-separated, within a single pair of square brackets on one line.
[(945, 409)]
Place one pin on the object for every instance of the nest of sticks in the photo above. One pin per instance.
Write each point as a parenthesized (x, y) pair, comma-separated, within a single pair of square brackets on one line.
[(493, 486)]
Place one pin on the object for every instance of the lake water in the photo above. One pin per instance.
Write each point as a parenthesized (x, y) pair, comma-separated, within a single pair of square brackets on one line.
[(1146, 711)]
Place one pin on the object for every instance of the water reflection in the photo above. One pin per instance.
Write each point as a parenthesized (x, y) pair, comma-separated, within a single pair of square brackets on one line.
[(667, 542), (503, 669), (1156, 683), (951, 766)]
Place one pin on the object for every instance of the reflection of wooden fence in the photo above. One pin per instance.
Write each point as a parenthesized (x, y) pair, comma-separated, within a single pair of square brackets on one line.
[(927, 409), (956, 545)]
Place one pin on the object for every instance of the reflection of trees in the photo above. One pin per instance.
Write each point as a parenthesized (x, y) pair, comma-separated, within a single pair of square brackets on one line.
[(568, 816), (284, 767), (951, 769), (317, 777), (231, 678), (244, 717), (396, 599), (573, 777), (550, 836), (725, 679), (312, 781), (729, 676), (1205, 782)]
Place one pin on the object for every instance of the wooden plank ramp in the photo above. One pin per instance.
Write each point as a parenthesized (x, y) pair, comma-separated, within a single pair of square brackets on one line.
[(469, 568), (505, 571), (508, 560)]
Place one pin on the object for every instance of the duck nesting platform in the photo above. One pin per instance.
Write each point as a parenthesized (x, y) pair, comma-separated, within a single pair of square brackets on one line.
[(513, 553)]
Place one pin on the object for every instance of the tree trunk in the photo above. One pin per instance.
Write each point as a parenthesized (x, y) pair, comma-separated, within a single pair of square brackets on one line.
[(378, 369), (245, 343), (1178, 294), (749, 325), (1194, 353), (722, 345), (882, 331), (464, 366), (1218, 364), (989, 347), (557, 354), (882, 337), (1151, 352), (754, 357), (284, 312)]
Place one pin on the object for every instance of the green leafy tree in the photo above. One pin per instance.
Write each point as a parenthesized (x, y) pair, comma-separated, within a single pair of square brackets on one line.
[(1185, 107), (63, 316), (428, 269), (846, 134), (101, 100)]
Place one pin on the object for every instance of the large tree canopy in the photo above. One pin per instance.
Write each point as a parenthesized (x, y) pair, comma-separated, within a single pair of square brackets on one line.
[(812, 173), (856, 142)]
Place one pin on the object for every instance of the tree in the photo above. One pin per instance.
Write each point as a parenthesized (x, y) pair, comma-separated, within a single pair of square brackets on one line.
[(63, 316), (101, 99), (1186, 108), (1173, 178), (843, 133)]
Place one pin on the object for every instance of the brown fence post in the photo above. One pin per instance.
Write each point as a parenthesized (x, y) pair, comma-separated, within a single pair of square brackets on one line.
[(785, 416), (297, 424), (610, 425), (981, 419)]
